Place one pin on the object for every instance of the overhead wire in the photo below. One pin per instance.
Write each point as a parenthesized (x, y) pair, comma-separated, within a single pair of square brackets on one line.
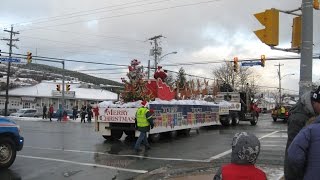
[(79, 14), (134, 13)]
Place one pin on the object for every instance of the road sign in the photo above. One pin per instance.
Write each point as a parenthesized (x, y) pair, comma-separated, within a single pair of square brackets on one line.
[(14, 60), (255, 63)]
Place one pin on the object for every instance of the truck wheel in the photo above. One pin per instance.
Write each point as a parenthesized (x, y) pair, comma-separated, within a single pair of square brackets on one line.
[(235, 120), (254, 120), (226, 121), (116, 134), (274, 119), (7, 152), (154, 137)]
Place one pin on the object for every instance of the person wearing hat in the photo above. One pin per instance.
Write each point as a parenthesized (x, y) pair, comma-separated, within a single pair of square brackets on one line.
[(144, 120), (305, 109), (303, 152), (245, 151)]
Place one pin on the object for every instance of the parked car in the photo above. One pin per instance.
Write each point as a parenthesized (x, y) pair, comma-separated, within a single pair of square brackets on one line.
[(10, 142), (27, 112), (8, 112), (69, 113)]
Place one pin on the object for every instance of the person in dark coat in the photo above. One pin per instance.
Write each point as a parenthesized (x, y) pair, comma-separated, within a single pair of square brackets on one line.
[(74, 112), (83, 114), (144, 121), (89, 112), (44, 112), (306, 108), (304, 151), (245, 151)]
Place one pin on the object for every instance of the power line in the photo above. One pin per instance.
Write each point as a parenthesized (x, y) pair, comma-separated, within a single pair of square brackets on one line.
[(79, 14), (81, 45)]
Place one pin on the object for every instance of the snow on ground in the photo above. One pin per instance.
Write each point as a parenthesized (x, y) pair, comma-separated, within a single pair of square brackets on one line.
[(34, 119), (137, 104)]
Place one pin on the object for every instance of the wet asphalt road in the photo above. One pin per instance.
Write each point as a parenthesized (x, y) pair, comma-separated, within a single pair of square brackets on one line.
[(72, 150)]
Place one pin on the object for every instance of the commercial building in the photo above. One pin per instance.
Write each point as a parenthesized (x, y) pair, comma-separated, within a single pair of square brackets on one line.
[(50, 92)]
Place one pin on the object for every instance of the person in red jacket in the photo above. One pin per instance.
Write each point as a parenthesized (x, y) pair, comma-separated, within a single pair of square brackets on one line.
[(245, 151), (51, 112)]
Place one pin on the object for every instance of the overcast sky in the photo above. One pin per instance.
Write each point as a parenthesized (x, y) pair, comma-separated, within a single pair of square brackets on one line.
[(116, 31)]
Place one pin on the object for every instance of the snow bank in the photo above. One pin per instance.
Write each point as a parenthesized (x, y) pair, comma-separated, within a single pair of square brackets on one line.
[(136, 104)]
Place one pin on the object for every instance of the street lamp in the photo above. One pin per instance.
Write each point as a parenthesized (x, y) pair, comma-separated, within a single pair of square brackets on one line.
[(160, 58), (280, 78), (157, 61)]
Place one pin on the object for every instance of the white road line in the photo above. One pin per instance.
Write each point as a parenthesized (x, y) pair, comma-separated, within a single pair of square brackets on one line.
[(230, 150), (280, 177), (135, 156), (85, 164)]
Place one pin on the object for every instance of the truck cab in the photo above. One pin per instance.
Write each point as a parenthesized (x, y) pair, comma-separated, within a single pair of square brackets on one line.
[(10, 142)]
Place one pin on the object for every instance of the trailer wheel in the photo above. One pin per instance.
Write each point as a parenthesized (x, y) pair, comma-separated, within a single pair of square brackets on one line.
[(235, 120), (154, 137), (254, 120), (116, 134), (130, 135), (173, 134), (108, 138), (186, 132)]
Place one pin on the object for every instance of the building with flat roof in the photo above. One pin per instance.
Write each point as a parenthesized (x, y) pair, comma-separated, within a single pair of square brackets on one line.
[(46, 93)]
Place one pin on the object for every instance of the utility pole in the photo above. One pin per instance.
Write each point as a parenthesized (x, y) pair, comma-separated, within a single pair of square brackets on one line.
[(12, 33), (156, 49), (279, 75), (305, 83)]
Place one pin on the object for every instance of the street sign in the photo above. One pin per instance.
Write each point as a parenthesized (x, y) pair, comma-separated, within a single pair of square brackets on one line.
[(14, 60), (255, 63)]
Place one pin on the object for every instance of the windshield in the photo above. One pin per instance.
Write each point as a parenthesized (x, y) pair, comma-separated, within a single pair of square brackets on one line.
[(21, 111)]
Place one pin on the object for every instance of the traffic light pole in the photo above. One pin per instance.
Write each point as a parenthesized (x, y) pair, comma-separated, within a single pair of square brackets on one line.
[(63, 90), (305, 83)]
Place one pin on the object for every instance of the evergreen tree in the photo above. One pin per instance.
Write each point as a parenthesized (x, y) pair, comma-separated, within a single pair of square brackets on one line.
[(181, 78)]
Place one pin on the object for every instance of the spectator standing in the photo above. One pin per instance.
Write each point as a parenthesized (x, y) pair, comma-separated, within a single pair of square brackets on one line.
[(303, 152), (44, 112), (74, 112), (245, 151), (306, 108), (51, 112)]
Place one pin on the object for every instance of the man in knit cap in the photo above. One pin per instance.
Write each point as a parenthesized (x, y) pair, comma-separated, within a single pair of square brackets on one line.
[(306, 108), (245, 151), (144, 120)]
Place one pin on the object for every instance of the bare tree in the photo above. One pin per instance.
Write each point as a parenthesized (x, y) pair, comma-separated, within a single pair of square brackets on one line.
[(238, 80)]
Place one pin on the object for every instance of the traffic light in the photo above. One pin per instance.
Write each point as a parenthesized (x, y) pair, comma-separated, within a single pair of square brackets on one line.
[(235, 64), (270, 19), (68, 87), (58, 87), (296, 32), (316, 4), (29, 57), (263, 60)]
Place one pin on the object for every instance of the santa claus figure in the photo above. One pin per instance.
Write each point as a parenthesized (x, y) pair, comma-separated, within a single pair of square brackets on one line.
[(160, 73)]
